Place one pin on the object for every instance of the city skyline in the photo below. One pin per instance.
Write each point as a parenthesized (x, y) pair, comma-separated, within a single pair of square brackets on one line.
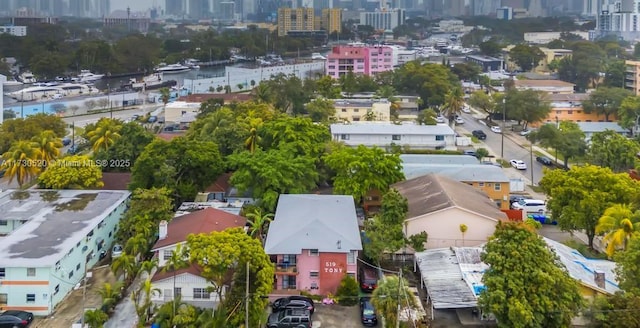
[(138, 5)]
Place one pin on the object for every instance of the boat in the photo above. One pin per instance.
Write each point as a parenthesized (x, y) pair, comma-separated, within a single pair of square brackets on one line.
[(192, 63), (172, 69), (11, 83), (86, 76), (317, 56), (52, 91), (27, 78), (149, 82)]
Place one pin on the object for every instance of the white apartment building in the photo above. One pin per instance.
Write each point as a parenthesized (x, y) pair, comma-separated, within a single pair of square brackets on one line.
[(14, 30)]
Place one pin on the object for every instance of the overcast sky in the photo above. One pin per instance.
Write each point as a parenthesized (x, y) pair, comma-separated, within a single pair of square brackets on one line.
[(137, 5)]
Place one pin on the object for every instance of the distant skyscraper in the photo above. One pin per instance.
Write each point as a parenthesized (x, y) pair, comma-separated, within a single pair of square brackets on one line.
[(434, 8), (101, 8), (174, 7), (198, 9), (79, 8)]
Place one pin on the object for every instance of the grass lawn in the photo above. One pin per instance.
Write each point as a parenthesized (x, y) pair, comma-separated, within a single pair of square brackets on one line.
[(537, 189)]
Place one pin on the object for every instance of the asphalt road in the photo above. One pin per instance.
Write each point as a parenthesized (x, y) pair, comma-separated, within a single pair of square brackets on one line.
[(512, 149), (83, 120)]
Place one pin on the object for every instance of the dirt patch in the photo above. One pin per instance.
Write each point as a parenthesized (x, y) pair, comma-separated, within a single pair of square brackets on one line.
[(70, 309), (336, 316)]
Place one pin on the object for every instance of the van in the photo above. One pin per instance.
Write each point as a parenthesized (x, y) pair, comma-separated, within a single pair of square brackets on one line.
[(530, 205), (368, 278)]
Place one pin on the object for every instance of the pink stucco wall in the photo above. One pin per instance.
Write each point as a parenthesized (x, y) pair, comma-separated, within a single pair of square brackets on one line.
[(306, 263), (359, 59)]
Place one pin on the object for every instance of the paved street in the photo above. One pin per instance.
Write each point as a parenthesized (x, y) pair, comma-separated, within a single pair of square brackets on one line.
[(81, 121), (124, 314)]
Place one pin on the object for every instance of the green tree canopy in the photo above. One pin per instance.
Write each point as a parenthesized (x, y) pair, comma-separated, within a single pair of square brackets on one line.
[(526, 56), (361, 170), (529, 106), (147, 208), (578, 197), (612, 150), (126, 149), (526, 284), (298, 134), (185, 166), (320, 110), (568, 139), (605, 101), (487, 103), (628, 270), (391, 294), (429, 81), (29, 127), (72, 172)]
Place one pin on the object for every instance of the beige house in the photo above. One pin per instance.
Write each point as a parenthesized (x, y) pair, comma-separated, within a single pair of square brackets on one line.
[(362, 110), (439, 206), (549, 86)]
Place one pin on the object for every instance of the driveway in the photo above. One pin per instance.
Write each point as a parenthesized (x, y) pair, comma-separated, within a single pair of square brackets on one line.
[(336, 316), (124, 315)]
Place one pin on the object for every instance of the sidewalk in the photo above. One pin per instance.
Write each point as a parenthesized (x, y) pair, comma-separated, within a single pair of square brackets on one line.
[(124, 314)]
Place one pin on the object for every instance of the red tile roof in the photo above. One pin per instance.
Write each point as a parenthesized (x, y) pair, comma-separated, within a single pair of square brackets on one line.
[(202, 221), (116, 180), (227, 97), (193, 269), (221, 184)]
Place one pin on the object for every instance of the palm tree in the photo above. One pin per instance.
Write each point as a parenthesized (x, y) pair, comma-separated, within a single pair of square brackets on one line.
[(619, 223), (453, 103), (252, 141), (142, 300), (49, 145), (174, 263), (110, 295), (257, 221), (19, 162), (126, 264), (137, 245), (391, 294), (105, 134), (148, 266), (95, 318), (262, 93), (165, 96)]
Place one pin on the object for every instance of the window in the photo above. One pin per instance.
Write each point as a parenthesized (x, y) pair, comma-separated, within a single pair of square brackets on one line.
[(497, 186), (439, 138), (570, 112), (31, 272), (351, 257), (344, 137), (395, 137), (200, 293), (31, 298), (3, 223), (70, 274), (56, 290), (2, 272), (344, 110), (166, 254), (313, 274), (313, 252), (480, 184), (77, 266), (177, 291)]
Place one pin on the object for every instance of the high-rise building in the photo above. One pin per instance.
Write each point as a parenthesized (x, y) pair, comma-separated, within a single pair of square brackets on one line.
[(504, 13), (331, 20), (174, 7), (298, 19), (383, 20), (484, 7), (79, 8), (620, 18), (198, 9)]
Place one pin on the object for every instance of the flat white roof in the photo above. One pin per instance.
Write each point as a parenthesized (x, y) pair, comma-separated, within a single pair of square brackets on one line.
[(56, 220), (374, 128)]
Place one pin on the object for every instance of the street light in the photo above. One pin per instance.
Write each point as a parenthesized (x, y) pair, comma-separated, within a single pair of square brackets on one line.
[(504, 111), (557, 127)]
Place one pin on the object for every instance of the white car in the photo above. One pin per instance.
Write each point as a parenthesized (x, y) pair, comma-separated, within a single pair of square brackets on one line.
[(496, 129), (466, 109), (518, 164), (459, 120), (440, 119)]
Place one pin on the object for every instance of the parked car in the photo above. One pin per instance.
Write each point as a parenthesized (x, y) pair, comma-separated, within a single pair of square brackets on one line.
[(518, 164), (368, 312), (530, 205), (517, 198), (440, 119), (116, 251), (470, 152), (152, 119), (15, 318), (368, 278), (293, 302), (496, 129), (544, 160), (66, 141), (466, 109), (459, 120), (294, 318), (525, 132), (479, 134)]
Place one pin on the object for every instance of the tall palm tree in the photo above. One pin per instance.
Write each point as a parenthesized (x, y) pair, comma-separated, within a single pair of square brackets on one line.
[(49, 145), (262, 93), (619, 223), (258, 222), (148, 266), (110, 295), (19, 162), (137, 246), (126, 264), (95, 318), (453, 103), (252, 141), (165, 96), (176, 262), (105, 134), (142, 300)]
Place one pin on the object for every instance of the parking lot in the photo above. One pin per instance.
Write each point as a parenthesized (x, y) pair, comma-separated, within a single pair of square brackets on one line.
[(336, 316)]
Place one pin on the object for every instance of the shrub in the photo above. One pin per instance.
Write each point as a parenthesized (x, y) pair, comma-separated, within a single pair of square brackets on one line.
[(347, 293)]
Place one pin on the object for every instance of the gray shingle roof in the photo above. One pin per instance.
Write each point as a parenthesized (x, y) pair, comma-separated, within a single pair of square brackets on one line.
[(433, 192), (600, 127), (327, 223), (464, 173), (438, 159), (386, 129)]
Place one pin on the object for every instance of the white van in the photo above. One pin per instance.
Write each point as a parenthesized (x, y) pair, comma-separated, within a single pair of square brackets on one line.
[(530, 205)]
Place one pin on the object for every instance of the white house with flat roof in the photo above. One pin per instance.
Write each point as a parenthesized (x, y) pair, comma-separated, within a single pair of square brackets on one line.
[(384, 134), (54, 236)]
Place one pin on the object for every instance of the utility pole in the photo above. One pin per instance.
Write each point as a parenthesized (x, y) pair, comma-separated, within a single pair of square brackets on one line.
[(246, 304), (399, 297), (84, 293), (128, 19), (504, 117), (531, 139)]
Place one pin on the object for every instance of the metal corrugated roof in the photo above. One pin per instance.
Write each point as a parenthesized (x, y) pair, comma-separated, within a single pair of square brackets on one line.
[(386, 129)]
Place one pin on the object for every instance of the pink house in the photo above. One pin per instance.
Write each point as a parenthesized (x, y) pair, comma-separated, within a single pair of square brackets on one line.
[(359, 59), (314, 242)]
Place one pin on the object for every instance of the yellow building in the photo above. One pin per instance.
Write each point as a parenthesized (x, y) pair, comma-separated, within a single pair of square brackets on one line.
[(331, 20), (296, 19), (632, 76), (362, 110), (543, 66)]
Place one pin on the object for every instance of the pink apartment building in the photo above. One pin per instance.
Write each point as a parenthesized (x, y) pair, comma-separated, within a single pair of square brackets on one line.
[(314, 242), (359, 59)]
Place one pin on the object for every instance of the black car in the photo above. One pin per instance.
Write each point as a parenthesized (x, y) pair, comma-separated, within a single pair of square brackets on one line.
[(479, 134), (293, 302), (14, 318), (290, 318), (368, 312), (544, 160)]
